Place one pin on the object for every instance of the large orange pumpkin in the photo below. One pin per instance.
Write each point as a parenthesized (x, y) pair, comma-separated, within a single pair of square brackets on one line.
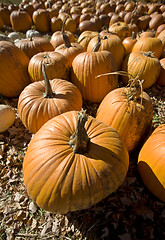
[(68, 167), (151, 162)]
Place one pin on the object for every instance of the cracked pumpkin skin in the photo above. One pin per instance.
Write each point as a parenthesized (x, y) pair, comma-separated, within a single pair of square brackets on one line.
[(58, 179), (130, 118)]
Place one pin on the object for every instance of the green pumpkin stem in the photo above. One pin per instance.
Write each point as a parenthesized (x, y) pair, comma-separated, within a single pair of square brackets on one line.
[(48, 90), (79, 140)]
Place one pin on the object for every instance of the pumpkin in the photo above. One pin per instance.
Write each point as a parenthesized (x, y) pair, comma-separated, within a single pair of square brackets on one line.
[(32, 33), (85, 38), (5, 14), (121, 29), (33, 45), (69, 166), (56, 24), (20, 20), (7, 117), (56, 66), (161, 78), (41, 19), (161, 36), (142, 65), (57, 38), (86, 66), (111, 43), (43, 100), (129, 43), (151, 162), (69, 50), (13, 69), (147, 44), (130, 112)]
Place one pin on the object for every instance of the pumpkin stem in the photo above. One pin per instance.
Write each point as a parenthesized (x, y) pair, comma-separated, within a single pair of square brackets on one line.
[(63, 24), (66, 40), (79, 140), (48, 90), (98, 44)]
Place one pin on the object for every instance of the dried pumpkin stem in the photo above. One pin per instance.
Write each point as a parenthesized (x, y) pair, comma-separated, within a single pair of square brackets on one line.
[(66, 40), (48, 90), (79, 140), (98, 44)]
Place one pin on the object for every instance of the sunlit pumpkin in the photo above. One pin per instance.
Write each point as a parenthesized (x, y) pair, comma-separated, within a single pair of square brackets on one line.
[(73, 162), (151, 162), (43, 100)]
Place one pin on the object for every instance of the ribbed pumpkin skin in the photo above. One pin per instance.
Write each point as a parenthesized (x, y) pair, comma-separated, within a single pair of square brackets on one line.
[(13, 69), (86, 67), (143, 66), (111, 43), (131, 120), (146, 44), (34, 110), (34, 45), (59, 180), (56, 66), (151, 162), (70, 52)]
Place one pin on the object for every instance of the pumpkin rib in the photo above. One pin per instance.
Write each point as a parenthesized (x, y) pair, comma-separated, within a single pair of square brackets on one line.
[(68, 166)]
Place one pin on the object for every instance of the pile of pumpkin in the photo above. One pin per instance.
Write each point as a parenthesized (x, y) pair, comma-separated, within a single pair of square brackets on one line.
[(99, 52)]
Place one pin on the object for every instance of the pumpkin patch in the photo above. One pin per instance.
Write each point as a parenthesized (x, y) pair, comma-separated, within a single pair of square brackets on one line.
[(82, 114)]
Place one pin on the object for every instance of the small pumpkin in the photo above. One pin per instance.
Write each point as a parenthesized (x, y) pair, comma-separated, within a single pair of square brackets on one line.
[(151, 162), (7, 117), (73, 162), (43, 100)]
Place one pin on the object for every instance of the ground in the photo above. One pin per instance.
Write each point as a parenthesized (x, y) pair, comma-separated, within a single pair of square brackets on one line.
[(130, 213)]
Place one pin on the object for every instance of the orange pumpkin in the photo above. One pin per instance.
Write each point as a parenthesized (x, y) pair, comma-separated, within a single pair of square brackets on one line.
[(43, 100), (72, 164), (33, 45), (86, 66), (111, 43), (20, 20), (13, 69), (69, 50), (129, 112), (121, 29), (142, 65), (151, 162), (56, 66), (147, 44)]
